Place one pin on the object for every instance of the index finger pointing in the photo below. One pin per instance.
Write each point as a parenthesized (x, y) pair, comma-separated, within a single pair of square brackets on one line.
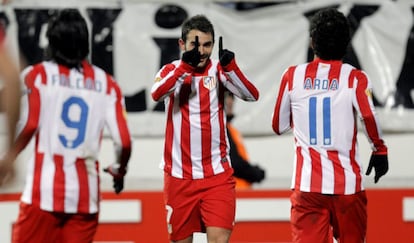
[(221, 43), (196, 43)]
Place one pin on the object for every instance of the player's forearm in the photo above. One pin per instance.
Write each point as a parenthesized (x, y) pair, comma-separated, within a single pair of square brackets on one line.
[(124, 157), (243, 88), (11, 94), (281, 120), (374, 133), (165, 85)]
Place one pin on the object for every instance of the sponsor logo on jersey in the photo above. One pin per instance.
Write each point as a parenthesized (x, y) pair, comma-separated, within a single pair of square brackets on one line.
[(209, 82)]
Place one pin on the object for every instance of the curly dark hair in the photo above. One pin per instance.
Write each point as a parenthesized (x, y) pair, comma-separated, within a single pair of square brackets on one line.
[(197, 22), (68, 37), (330, 33)]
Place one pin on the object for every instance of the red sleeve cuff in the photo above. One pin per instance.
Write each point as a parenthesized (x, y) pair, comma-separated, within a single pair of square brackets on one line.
[(231, 66), (381, 150), (186, 67)]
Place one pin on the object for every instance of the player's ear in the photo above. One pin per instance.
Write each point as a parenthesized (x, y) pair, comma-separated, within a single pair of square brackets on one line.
[(311, 44), (181, 44)]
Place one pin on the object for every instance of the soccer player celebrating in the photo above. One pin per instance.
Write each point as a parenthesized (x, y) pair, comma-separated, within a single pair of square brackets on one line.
[(66, 105), (321, 100), (198, 185)]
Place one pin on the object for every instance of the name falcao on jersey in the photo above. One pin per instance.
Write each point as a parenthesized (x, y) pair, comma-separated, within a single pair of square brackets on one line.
[(78, 83), (320, 84)]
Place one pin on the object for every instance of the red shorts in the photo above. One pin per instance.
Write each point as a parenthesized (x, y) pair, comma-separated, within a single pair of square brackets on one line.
[(193, 205), (313, 215), (36, 225)]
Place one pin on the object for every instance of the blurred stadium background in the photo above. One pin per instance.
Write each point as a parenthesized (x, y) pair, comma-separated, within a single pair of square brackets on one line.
[(131, 39)]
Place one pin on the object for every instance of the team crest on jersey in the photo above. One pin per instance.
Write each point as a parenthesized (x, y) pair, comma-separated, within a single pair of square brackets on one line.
[(209, 82)]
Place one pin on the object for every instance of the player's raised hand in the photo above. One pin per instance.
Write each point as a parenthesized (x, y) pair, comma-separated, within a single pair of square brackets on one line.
[(193, 56), (225, 56)]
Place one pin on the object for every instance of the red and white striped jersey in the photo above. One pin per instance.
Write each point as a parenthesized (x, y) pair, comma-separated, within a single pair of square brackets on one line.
[(196, 144), (66, 111), (320, 100)]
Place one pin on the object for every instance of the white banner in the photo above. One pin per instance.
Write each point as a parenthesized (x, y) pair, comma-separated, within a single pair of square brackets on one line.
[(266, 41)]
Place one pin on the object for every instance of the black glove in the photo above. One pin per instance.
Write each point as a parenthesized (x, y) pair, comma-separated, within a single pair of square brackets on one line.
[(380, 163), (259, 173), (118, 176), (193, 56), (225, 56)]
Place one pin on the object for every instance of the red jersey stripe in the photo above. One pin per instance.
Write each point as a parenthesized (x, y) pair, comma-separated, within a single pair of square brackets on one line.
[(339, 172), (354, 164), (59, 185), (83, 202), (64, 71), (316, 178), (185, 129), (99, 183), (88, 76), (36, 178), (169, 136), (334, 72), (298, 169), (311, 71)]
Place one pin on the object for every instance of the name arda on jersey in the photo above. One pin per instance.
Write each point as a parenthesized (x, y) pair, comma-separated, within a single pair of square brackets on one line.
[(320, 84), (78, 83)]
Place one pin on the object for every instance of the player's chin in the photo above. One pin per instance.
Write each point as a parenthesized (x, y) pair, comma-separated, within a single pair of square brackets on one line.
[(203, 63)]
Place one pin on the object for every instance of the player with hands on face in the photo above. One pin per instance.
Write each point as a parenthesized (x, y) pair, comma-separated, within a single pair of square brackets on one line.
[(193, 56), (196, 147)]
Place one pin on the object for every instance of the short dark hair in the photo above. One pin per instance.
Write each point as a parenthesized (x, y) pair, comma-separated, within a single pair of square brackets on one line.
[(68, 37), (330, 33), (197, 22)]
